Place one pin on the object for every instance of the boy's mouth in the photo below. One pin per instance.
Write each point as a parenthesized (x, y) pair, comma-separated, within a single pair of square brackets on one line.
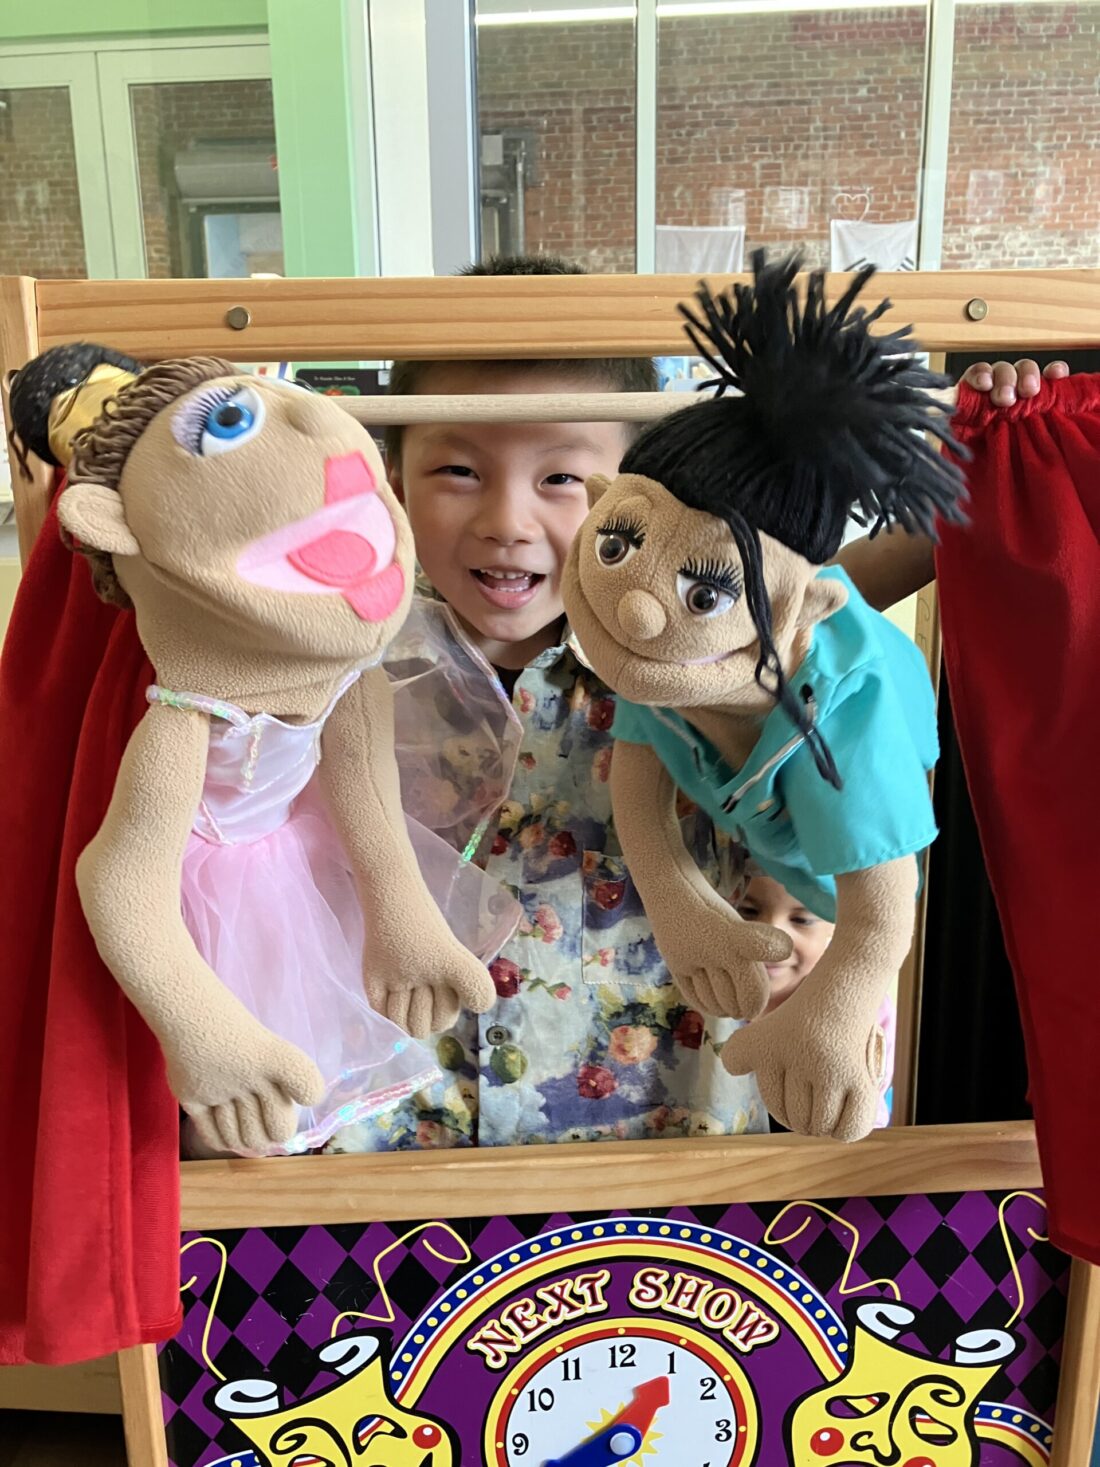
[(507, 589)]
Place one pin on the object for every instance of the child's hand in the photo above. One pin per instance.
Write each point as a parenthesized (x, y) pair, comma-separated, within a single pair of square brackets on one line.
[(1006, 381)]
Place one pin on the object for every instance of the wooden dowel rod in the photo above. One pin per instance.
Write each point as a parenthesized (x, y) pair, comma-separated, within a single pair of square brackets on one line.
[(515, 407)]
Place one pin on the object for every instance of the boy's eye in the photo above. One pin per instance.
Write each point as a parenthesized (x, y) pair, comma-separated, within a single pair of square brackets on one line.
[(455, 471), (749, 913), (557, 480)]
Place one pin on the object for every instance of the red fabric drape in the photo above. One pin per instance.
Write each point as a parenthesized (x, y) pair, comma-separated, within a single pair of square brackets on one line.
[(1020, 600), (89, 1201)]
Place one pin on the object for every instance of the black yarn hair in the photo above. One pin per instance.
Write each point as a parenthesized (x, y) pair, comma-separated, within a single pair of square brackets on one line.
[(828, 427), (34, 387)]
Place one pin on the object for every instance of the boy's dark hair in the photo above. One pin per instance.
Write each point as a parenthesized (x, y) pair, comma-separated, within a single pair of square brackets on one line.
[(616, 374)]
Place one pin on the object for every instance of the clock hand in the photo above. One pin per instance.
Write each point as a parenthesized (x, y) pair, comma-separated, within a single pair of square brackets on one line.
[(622, 1436)]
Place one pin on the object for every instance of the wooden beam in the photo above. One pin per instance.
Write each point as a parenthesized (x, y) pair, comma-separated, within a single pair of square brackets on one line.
[(1079, 1376), (680, 1173), (18, 343), (142, 1413), (527, 316)]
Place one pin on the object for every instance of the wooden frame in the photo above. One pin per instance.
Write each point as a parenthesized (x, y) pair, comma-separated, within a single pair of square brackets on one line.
[(560, 317)]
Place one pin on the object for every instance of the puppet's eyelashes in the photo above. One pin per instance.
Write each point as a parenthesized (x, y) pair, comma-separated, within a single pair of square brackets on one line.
[(228, 421), (615, 546), (703, 598)]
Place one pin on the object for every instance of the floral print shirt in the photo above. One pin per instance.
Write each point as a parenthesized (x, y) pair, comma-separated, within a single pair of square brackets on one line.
[(588, 1039)]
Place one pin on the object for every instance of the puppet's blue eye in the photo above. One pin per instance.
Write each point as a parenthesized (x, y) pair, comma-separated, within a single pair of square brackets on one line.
[(231, 421)]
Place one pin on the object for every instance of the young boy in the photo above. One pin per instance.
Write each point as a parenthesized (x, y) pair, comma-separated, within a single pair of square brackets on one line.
[(763, 899), (588, 1038)]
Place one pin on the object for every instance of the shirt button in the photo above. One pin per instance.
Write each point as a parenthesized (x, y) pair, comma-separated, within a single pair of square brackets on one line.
[(496, 1034)]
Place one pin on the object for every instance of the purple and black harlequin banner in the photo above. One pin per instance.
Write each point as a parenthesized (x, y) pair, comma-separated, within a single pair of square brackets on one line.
[(916, 1331)]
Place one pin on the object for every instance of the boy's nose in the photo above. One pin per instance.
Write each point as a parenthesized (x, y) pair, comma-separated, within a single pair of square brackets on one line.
[(641, 616)]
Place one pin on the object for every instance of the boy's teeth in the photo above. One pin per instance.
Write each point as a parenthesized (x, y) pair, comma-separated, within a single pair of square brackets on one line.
[(506, 575)]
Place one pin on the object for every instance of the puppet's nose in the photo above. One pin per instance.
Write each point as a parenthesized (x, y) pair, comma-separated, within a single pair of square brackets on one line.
[(641, 616)]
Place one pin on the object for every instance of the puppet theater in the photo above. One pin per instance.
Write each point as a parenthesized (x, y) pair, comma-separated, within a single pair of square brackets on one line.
[(697, 1299)]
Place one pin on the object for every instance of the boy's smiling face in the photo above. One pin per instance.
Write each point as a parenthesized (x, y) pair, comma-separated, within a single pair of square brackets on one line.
[(494, 509)]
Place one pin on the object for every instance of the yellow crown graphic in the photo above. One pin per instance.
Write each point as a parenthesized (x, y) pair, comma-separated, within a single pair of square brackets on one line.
[(896, 1405), (333, 1425)]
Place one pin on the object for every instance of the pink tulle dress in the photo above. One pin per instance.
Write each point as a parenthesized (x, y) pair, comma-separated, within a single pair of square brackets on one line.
[(269, 899)]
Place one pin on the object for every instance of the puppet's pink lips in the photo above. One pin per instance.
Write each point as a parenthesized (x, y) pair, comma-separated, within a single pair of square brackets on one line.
[(347, 547), (707, 661)]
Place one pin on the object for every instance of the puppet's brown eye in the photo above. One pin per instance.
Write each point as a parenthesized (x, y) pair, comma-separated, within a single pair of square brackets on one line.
[(614, 546), (703, 597)]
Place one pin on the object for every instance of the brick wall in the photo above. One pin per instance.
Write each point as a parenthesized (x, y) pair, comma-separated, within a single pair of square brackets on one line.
[(168, 116), (1023, 165), (782, 122), (40, 226), (40, 229)]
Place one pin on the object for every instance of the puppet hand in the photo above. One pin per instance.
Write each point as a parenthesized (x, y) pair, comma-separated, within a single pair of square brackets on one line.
[(243, 1090), (445, 978), (815, 1078), (717, 960)]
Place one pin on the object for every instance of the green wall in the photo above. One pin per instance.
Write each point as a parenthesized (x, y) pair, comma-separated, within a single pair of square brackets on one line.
[(92, 19)]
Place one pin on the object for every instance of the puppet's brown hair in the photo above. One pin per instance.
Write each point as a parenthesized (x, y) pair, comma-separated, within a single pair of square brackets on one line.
[(101, 450)]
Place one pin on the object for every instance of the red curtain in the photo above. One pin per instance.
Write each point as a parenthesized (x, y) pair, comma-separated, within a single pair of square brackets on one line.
[(89, 1206), (1020, 601)]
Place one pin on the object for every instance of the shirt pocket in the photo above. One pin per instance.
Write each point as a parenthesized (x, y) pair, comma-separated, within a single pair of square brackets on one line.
[(767, 830), (617, 945)]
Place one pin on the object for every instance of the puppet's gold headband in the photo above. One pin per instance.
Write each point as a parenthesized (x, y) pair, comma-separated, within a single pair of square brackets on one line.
[(81, 405)]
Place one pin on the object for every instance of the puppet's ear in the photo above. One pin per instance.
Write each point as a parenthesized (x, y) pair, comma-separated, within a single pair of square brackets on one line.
[(93, 516), (822, 597), (597, 486)]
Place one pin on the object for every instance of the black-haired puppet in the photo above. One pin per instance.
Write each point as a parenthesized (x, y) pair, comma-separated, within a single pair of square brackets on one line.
[(58, 394), (761, 685), (248, 908)]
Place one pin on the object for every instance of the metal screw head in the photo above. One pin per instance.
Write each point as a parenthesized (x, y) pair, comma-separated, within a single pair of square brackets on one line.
[(497, 1035), (238, 317), (977, 309)]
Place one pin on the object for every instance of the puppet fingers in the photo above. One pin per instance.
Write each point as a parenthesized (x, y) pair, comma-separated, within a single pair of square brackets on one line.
[(224, 1118), (391, 1003), (445, 1010), (209, 1137), (798, 1102), (756, 942), (264, 1119), (699, 992), (418, 1015), (857, 1115), (739, 1054), (295, 1074), (828, 1104)]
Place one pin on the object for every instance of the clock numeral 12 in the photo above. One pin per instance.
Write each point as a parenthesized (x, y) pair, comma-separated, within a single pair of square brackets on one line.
[(622, 1355)]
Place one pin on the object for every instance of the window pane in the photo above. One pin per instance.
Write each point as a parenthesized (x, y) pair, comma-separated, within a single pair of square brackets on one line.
[(798, 128), (209, 185), (40, 226), (1023, 183), (556, 120)]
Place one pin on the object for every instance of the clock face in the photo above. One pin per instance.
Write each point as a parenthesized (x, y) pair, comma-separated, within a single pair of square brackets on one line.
[(577, 1385), (545, 1345)]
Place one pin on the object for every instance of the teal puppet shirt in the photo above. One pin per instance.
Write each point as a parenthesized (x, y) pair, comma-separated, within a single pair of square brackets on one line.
[(876, 711)]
